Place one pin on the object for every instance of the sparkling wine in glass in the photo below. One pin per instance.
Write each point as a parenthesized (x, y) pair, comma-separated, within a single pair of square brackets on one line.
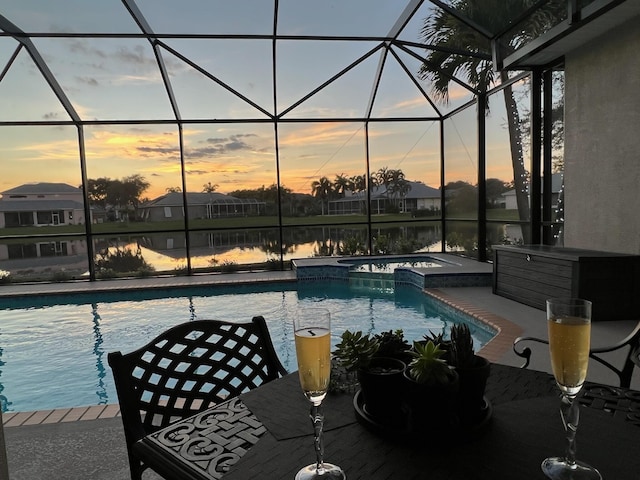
[(312, 332), (569, 324)]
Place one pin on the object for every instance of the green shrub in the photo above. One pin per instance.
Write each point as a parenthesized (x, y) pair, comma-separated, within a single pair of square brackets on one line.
[(272, 264), (352, 246), (229, 266)]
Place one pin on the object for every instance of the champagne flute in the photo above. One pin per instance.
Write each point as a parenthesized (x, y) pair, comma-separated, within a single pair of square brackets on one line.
[(569, 324), (312, 332)]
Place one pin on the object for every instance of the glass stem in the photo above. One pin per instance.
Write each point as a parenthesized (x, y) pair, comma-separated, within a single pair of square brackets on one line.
[(317, 419), (570, 412)]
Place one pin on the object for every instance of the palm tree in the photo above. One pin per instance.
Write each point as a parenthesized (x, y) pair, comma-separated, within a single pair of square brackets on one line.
[(341, 184), (209, 187), (394, 183), (399, 185), (358, 184), (383, 177), (444, 30), (399, 189), (322, 189)]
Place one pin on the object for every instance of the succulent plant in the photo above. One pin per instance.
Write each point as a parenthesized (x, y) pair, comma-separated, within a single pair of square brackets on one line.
[(461, 354), (434, 337), (438, 339), (392, 344), (356, 350), (428, 366)]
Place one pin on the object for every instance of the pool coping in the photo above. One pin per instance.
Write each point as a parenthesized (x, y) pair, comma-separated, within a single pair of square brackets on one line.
[(132, 284), (507, 331)]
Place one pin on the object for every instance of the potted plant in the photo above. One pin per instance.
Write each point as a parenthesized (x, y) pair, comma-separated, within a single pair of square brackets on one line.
[(380, 377), (355, 350), (439, 340), (473, 371), (392, 344), (432, 387)]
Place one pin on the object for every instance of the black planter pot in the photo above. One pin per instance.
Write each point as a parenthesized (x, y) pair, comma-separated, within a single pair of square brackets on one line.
[(433, 406), (382, 389), (473, 381)]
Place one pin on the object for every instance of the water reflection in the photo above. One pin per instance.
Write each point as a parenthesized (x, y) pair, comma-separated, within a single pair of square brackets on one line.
[(98, 351), (230, 250), (4, 401), (192, 310), (166, 252)]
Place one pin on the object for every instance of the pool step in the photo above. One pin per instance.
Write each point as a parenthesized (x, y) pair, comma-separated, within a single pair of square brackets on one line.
[(380, 282)]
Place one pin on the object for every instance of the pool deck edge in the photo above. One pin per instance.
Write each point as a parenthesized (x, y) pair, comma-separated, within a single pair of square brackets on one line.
[(60, 415), (508, 331), (120, 285)]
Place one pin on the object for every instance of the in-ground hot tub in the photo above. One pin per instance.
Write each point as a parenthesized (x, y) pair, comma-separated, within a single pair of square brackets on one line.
[(388, 265), (424, 270)]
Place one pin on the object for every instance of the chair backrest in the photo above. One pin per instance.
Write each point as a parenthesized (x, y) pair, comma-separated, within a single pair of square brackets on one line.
[(189, 368), (625, 372)]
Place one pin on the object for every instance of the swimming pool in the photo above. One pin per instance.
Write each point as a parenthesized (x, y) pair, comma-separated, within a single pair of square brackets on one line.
[(53, 349)]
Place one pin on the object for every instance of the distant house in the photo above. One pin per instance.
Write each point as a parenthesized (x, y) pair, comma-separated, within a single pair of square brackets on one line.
[(200, 205), (40, 204), (419, 197), (510, 201)]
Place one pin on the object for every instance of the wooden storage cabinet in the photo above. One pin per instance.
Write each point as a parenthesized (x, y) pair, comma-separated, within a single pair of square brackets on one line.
[(532, 273)]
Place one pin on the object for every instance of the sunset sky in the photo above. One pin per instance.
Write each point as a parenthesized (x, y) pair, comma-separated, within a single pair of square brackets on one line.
[(111, 79)]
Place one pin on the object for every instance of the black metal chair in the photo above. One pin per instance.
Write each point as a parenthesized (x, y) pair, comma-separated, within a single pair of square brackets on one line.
[(187, 369), (632, 359)]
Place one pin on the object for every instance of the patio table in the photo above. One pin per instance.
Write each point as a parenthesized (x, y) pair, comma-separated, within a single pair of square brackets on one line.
[(266, 433)]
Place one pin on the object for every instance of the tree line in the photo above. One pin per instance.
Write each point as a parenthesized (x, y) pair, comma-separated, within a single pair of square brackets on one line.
[(393, 180), (121, 198)]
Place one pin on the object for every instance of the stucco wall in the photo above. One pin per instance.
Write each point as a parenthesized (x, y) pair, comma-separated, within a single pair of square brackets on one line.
[(602, 143)]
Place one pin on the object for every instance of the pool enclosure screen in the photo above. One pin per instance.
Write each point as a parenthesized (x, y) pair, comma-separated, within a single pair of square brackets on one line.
[(142, 137)]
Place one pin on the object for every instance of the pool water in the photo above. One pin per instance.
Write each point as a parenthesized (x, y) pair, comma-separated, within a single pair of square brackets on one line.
[(54, 354), (385, 265), (390, 267)]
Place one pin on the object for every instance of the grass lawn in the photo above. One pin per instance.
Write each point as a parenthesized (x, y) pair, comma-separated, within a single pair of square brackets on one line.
[(242, 222)]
